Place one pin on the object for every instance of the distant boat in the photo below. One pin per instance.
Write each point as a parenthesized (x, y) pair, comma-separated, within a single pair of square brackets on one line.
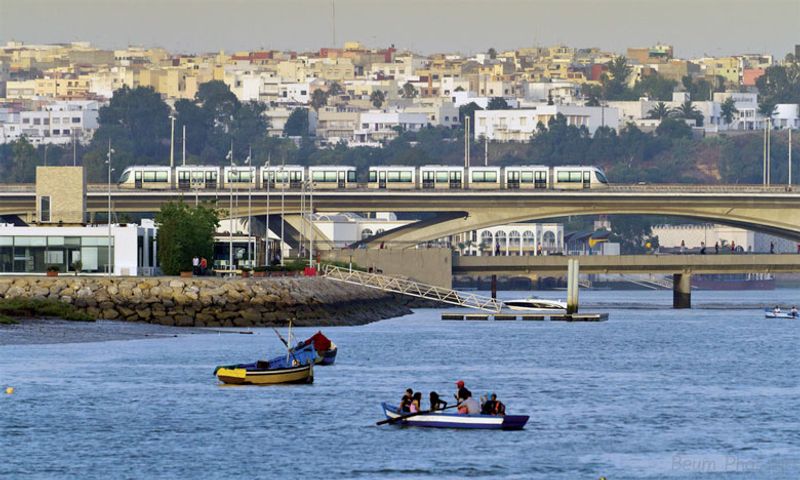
[(768, 313), (455, 420), (533, 303), (261, 373)]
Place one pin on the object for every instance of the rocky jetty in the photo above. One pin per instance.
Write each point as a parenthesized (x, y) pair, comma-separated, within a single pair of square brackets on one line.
[(213, 302)]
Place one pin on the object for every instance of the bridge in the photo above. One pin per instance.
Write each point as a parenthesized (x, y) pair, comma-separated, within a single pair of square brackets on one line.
[(770, 209)]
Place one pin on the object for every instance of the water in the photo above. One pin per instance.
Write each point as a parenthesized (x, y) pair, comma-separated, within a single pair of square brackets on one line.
[(702, 393)]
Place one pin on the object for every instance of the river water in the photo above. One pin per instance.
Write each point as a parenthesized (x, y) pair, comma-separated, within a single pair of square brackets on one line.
[(652, 393)]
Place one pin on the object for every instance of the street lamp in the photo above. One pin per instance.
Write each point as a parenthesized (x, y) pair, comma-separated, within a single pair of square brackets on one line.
[(266, 230), (172, 142), (311, 222), (108, 246), (283, 206), (251, 176), (230, 209)]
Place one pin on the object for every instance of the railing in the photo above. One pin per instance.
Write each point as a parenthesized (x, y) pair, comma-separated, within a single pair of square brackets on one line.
[(409, 287)]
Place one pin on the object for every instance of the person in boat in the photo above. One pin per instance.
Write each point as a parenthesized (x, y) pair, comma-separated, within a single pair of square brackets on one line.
[(498, 408), (416, 401), (469, 406), (405, 402), (487, 407), (776, 310), (794, 312), (460, 389), (436, 402)]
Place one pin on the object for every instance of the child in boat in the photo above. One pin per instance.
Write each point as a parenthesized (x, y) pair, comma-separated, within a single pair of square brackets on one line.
[(436, 402), (416, 400)]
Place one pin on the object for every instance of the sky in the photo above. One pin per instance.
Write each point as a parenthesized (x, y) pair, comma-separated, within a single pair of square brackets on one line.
[(693, 27)]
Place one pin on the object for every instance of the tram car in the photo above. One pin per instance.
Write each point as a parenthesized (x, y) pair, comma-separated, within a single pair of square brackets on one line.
[(392, 177), (484, 178), (197, 177), (240, 178), (527, 177), (331, 177), (577, 178), (288, 177), (146, 178), (441, 177)]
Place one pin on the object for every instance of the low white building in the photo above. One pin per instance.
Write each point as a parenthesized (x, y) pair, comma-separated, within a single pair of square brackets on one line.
[(519, 125), (32, 250), (513, 239), (382, 126), (345, 229), (57, 123)]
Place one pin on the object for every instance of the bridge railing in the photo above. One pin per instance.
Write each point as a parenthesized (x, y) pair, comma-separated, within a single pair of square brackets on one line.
[(409, 287), (695, 188)]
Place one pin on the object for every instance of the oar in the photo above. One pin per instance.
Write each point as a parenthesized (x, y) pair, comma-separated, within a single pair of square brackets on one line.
[(397, 419), (288, 349)]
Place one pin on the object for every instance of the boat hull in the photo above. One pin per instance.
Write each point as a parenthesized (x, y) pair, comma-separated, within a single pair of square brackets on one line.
[(780, 315), (534, 304), (452, 420), (254, 376), (328, 356)]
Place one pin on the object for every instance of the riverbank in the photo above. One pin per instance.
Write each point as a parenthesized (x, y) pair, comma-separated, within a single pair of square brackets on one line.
[(213, 302)]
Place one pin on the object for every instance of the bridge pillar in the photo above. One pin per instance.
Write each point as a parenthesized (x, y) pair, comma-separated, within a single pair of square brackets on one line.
[(573, 272), (682, 290)]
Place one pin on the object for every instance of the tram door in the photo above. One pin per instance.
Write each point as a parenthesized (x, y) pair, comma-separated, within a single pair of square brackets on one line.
[(512, 180), (587, 179), (137, 180), (340, 181), (382, 179)]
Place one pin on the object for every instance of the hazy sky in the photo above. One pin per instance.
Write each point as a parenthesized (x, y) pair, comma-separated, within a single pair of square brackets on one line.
[(694, 27)]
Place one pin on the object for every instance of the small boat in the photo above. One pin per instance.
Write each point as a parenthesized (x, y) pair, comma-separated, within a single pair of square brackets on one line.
[(533, 303), (455, 420), (262, 373), (325, 350), (768, 313)]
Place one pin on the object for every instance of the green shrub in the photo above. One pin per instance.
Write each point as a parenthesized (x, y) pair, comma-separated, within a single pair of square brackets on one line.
[(32, 307)]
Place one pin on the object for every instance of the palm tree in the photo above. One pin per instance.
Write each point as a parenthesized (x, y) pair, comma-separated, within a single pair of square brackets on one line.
[(409, 90), (688, 111), (377, 98), (727, 110), (335, 89), (659, 112)]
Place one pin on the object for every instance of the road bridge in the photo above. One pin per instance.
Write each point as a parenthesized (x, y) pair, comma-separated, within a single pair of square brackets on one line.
[(681, 267), (773, 209)]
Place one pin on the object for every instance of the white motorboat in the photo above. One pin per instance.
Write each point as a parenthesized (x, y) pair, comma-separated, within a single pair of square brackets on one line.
[(533, 303)]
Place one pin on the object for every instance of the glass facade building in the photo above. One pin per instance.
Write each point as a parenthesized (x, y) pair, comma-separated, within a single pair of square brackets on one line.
[(35, 254)]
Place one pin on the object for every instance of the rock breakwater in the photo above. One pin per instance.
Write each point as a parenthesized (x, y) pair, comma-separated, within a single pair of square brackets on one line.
[(212, 302)]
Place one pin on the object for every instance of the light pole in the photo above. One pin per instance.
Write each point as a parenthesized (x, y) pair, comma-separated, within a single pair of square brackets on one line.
[(172, 142), (230, 210), (183, 145), (311, 222), (790, 156), (251, 176), (266, 230), (283, 206), (108, 246)]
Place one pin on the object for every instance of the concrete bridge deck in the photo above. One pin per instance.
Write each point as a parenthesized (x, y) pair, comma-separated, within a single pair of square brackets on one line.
[(644, 264)]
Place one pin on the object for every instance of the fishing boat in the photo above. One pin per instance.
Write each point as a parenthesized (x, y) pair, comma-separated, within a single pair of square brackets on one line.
[(534, 303), (325, 350), (262, 373), (455, 420)]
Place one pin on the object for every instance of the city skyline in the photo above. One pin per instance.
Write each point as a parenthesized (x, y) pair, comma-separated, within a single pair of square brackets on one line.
[(508, 24)]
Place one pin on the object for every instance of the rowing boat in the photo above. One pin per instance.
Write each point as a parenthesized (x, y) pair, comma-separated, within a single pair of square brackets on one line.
[(260, 373), (455, 420), (772, 314)]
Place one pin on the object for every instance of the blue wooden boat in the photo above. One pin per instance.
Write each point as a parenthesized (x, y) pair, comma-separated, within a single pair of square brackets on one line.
[(325, 349), (455, 420)]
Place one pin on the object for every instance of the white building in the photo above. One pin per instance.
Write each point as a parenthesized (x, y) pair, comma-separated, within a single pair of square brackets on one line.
[(382, 126), (344, 229), (58, 123), (514, 239), (32, 250), (519, 125)]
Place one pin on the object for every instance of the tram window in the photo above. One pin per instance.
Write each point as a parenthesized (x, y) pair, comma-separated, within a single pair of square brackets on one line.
[(405, 176), (490, 177), (373, 176), (576, 177), (318, 176), (427, 176), (183, 175), (149, 176), (455, 176), (441, 177), (393, 176), (601, 177), (527, 177), (351, 176)]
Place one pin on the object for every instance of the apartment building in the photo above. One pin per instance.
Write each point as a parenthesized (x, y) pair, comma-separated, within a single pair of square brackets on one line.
[(375, 126), (58, 123), (519, 125)]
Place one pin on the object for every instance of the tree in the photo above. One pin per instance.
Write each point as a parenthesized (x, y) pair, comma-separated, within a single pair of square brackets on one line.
[(468, 110), (674, 128), (21, 163), (660, 111), (655, 87), (335, 89), (689, 112), (249, 124), (409, 90), (318, 99), (184, 232), (217, 100), (492, 53), (780, 84), (497, 103), (615, 83), (297, 123), (727, 110), (138, 117), (377, 98)]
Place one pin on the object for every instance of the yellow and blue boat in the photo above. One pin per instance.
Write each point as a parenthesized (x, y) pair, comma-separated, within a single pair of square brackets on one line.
[(261, 373)]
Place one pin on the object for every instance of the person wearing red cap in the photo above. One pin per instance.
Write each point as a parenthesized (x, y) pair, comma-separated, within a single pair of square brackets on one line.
[(461, 392)]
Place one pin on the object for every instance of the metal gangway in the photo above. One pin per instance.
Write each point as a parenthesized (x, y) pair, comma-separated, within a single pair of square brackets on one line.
[(405, 286)]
